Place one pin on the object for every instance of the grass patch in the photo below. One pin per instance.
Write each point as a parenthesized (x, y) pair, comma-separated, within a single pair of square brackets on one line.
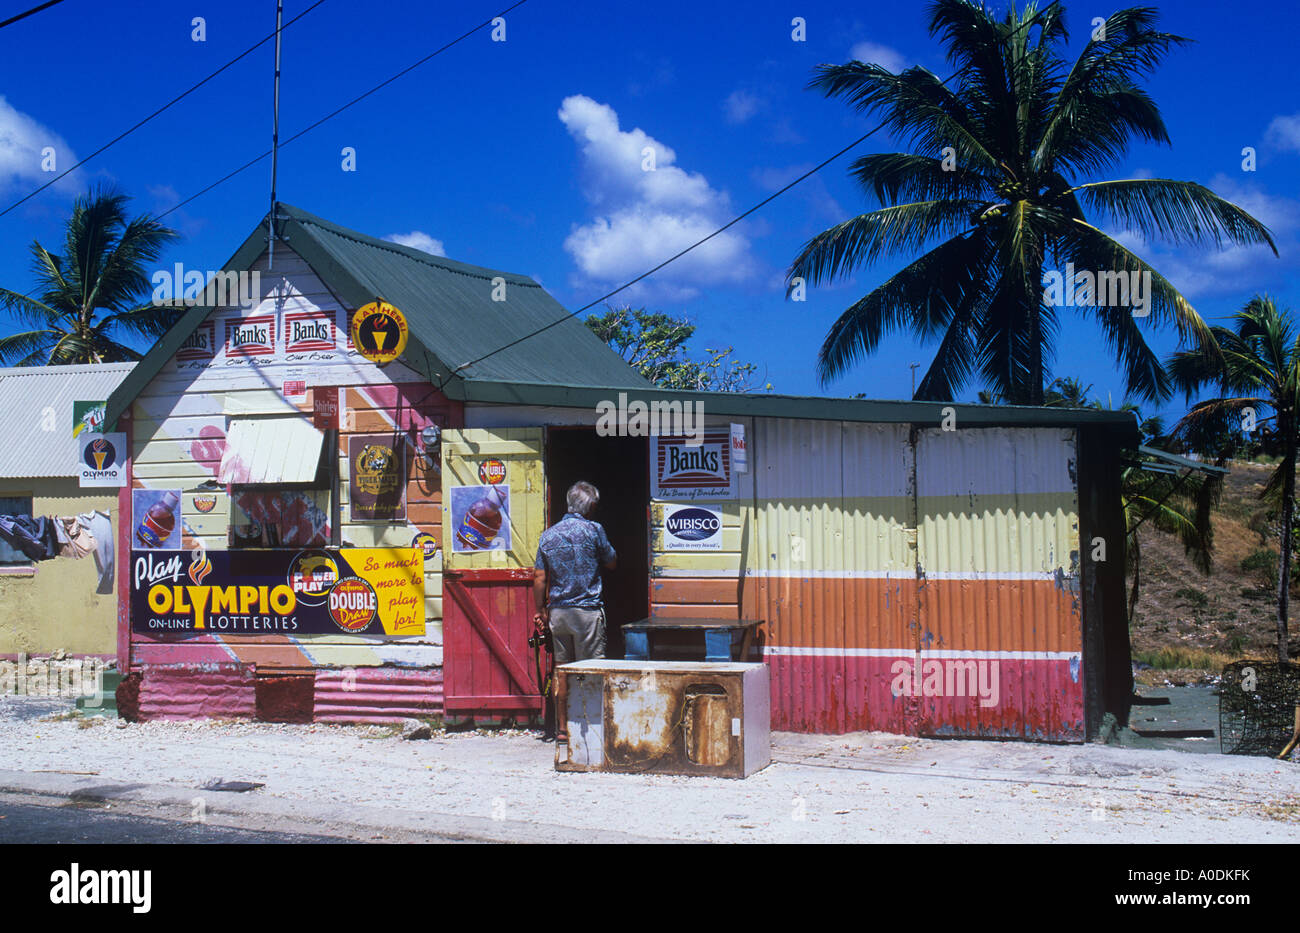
[(1183, 659), (1284, 811)]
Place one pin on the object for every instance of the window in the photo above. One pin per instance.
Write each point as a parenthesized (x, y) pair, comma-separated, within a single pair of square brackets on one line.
[(294, 508), (12, 559)]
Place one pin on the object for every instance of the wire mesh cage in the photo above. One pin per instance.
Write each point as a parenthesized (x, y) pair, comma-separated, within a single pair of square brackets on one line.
[(1257, 707)]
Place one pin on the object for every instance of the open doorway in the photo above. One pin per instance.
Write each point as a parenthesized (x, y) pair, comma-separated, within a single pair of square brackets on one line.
[(620, 468)]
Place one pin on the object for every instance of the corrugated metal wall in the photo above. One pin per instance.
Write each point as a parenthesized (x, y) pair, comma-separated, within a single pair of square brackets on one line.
[(999, 583), (915, 581)]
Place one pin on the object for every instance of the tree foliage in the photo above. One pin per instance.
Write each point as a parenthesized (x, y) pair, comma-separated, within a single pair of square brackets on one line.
[(654, 343), (994, 194), (93, 295)]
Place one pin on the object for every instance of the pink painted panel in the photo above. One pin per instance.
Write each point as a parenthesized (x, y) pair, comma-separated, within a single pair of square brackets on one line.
[(219, 691), (377, 694)]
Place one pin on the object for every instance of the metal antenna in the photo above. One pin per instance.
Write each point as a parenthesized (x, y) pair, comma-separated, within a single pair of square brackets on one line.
[(275, 140)]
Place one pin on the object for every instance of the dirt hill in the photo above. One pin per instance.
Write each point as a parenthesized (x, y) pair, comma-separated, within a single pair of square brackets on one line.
[(1185, 619)]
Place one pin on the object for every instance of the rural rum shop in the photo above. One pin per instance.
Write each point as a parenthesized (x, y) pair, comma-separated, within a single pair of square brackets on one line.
[(870, 541)]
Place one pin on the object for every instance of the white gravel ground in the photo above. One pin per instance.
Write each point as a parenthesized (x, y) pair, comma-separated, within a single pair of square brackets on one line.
[(863, 787)]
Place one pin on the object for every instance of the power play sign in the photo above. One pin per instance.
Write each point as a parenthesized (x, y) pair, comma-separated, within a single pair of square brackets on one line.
[(356, 591)]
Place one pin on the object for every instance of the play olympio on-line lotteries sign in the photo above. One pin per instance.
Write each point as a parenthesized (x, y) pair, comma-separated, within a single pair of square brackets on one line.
[(691, 528), (101, 459), (317, 591), (680, 471)]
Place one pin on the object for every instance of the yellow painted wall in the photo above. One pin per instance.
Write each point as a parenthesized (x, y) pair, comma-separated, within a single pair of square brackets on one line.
[(57, 607)]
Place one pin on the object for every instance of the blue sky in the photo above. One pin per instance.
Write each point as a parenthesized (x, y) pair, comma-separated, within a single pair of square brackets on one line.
[(525, 154)]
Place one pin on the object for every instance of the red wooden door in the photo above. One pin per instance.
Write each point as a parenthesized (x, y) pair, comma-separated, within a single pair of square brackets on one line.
[(487, 618)]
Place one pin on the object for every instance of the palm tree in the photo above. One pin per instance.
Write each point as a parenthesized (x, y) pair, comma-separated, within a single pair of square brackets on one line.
[(994, 179), (1256, 369), (87, 299), (1174, 502)]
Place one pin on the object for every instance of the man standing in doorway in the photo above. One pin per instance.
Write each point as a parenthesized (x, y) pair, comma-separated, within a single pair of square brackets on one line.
[(566, 588)]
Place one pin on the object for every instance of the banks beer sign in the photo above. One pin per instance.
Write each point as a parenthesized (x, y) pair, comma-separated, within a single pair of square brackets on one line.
[(251, 336), (318, 591), (681, 471), (308, 331)]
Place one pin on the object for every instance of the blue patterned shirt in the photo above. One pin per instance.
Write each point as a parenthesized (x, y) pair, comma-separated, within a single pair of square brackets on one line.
[(571, 552)]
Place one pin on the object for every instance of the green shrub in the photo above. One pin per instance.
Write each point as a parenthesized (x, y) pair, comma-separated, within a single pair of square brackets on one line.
[(1193, 596)]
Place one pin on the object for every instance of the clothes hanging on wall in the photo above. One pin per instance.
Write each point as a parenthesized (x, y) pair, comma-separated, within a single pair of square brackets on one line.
[(35, 537), (75, 539), (101, 531)]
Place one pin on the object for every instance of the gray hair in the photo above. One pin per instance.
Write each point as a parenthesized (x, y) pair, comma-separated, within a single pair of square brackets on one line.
[(583, 498)]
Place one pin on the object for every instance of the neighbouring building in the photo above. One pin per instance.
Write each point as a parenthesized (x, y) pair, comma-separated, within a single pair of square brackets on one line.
[(321, 530), (62, 604)]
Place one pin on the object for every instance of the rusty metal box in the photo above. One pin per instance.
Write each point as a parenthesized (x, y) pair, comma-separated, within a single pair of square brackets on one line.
[(666, 717)]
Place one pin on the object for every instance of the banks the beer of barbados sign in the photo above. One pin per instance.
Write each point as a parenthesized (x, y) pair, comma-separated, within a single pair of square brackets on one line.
[(317, 591)]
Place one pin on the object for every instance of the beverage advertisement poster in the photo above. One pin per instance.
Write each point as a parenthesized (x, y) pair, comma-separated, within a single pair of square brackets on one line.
[(690, 528), (480, 518), (157, 524), (101, 459), (312, 591), (377, 477), (87, 416), (682, 471)]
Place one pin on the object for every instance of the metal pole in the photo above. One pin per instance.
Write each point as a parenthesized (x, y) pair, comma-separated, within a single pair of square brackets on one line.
[(275, 140)]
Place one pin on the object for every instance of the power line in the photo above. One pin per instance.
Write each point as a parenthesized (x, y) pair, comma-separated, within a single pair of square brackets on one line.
[(164, 107), (356, 100), (36, 9), (731, 223)]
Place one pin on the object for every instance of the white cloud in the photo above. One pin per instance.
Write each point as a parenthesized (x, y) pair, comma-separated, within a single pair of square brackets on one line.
[(23, 142), (873, 53), (740, 106), (1284, 133), (418, 239), (643, 217)]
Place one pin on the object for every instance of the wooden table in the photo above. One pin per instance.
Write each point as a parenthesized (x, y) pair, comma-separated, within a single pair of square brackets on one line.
[(720, 635)]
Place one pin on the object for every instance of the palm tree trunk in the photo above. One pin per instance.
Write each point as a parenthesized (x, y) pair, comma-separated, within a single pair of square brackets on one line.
[(1137, 576), (1284, 558)]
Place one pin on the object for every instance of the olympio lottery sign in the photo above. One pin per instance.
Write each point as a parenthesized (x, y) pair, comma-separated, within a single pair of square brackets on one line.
[(318, 591)]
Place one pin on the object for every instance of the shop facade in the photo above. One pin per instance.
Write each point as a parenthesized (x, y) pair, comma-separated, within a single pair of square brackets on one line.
[(325, 530)]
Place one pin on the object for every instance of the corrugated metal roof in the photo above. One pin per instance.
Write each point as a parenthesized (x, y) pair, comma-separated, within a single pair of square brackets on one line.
[(452, 311), (36, 415), (448, 305), (271, 450)]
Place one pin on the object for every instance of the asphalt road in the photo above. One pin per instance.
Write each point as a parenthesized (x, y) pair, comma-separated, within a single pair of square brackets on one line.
[(26, 819)]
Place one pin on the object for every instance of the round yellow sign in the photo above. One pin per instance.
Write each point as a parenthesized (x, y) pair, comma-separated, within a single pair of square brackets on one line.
[(379, 332)]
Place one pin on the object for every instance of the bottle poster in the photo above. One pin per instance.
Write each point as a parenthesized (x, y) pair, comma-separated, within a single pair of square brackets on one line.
[(377, 477), (480, 518), (157, 524)]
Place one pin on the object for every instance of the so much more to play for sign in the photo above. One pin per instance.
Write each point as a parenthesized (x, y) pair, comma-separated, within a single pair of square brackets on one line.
[(318, 591)]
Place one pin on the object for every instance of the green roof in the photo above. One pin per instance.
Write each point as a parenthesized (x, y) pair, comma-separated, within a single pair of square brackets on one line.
[(448, 306), (1122, 425)]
